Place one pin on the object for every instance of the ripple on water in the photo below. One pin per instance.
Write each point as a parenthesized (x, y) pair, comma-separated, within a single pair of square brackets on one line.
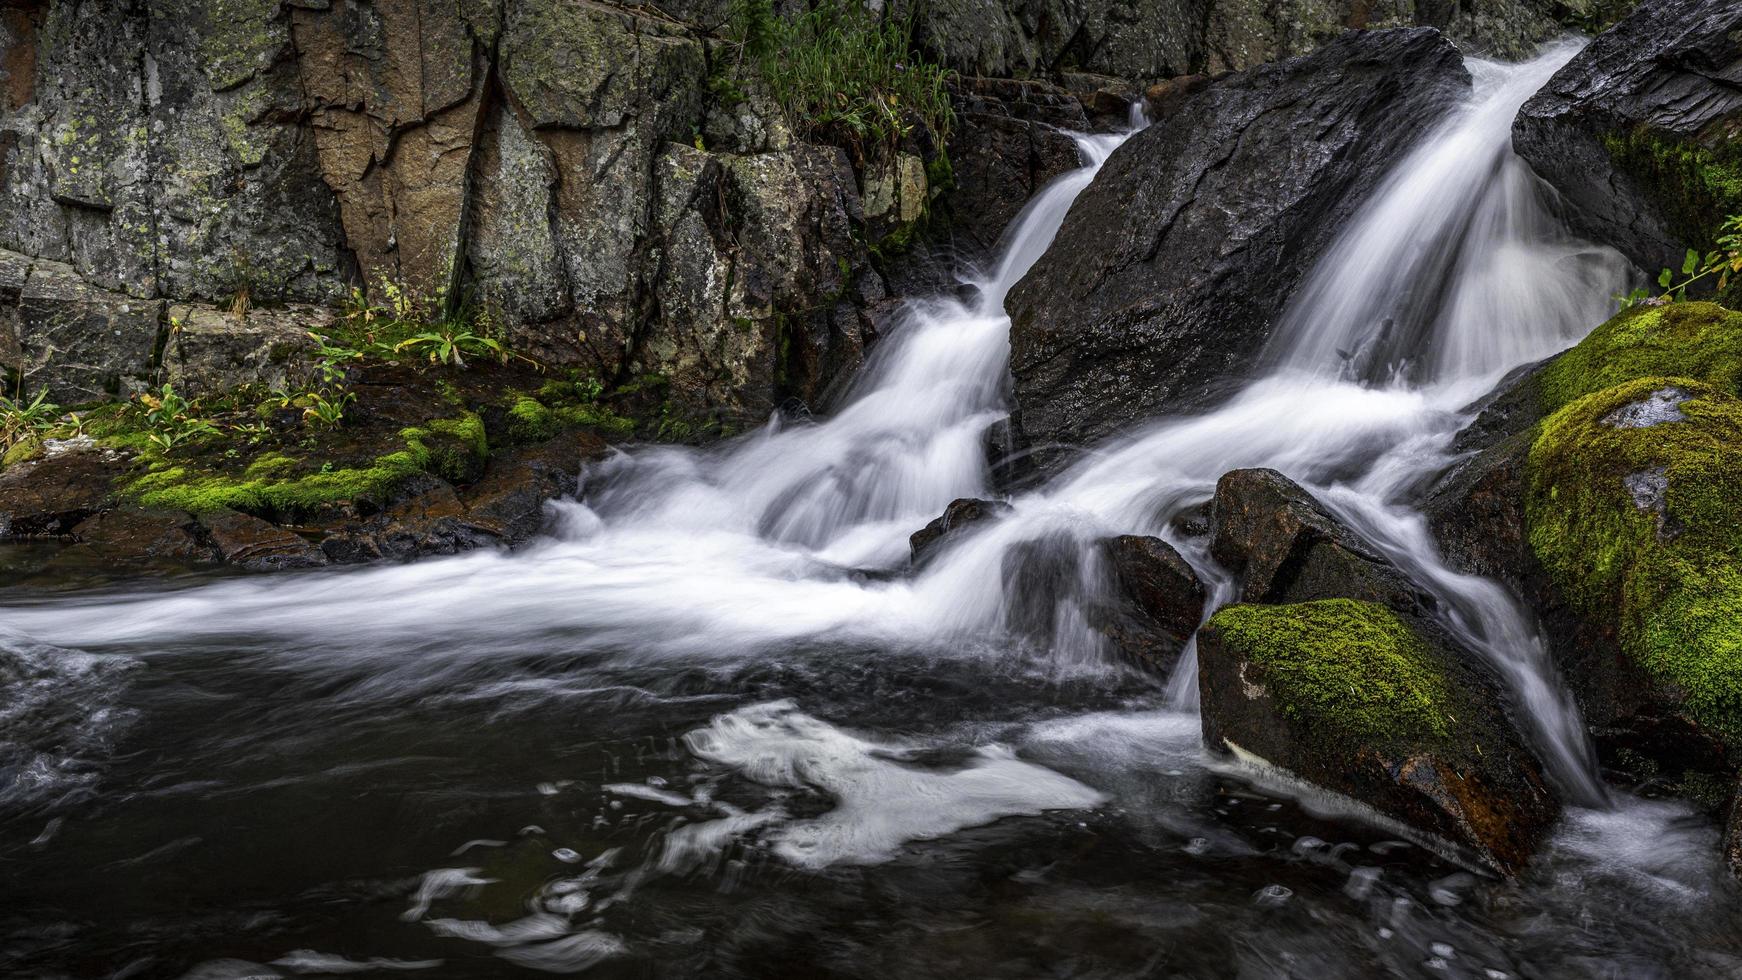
[(59, 717)]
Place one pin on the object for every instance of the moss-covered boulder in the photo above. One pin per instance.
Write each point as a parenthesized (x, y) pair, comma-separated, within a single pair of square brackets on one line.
[(1506, 511), (1633, 505), (1348, 696)]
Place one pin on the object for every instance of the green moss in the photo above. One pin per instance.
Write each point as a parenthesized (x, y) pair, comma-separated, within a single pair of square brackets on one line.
[(22, 452), (1666, 576), (1351, 670), (531, 420), (1702, 341), (271, 484), (1696, 185)]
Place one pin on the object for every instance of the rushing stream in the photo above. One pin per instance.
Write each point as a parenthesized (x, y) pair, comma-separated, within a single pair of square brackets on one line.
[(701, 730)]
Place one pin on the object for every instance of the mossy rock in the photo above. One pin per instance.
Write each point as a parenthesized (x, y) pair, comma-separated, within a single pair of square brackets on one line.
[(284, 487), (1702, 341), (1633, 504), (1352, 697), (1347, 670)]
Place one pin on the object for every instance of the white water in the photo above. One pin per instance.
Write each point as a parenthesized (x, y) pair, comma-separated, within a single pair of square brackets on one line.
[(753, 547)]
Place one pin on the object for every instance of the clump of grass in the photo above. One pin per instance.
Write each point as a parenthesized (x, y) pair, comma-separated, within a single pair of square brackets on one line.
[(843, 73)]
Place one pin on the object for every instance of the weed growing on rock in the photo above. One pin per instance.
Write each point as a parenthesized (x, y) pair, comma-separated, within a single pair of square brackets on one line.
[(170, 421), (23, 422), (842, 72)]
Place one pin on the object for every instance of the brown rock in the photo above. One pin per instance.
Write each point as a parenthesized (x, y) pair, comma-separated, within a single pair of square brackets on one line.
[(128, 535), (51, 496), (253, 544)]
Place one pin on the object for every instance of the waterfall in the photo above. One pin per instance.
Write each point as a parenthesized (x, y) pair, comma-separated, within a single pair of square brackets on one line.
[(1452, 274)]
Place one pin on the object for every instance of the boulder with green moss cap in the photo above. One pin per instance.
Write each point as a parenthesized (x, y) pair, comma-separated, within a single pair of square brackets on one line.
[(1488, 521), (1348, 696)]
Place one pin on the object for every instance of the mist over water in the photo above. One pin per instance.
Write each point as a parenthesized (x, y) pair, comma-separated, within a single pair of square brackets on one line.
[(707, 710)]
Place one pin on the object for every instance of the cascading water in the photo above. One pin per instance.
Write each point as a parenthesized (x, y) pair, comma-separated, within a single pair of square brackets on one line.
[(743, 596)]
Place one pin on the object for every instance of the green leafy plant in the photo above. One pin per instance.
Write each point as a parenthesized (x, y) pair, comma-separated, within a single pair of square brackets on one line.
[(325, 409), (451, 346), (1724, 262), (169, 419), (22, 421)]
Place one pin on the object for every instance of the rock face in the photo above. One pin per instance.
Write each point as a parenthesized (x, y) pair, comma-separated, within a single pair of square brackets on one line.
[(1150, 39), (1350, 697), (1641, 133), (1168, 272)]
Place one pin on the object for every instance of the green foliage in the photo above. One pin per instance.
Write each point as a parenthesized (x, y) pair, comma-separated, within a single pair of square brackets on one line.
[(26, 422), (1665, 573), (169, 420), (447, 345), (842, 72), (277, 485), (1723, 262), (1347, 669), (1702, 341)]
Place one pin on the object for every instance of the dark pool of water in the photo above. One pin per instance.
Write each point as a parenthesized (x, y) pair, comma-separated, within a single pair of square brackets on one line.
[(230, 811)]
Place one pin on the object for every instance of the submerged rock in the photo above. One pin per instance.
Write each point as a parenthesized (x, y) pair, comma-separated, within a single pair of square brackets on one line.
[(1164, 280), (1641, 133), (952, 524), (1348, 696)]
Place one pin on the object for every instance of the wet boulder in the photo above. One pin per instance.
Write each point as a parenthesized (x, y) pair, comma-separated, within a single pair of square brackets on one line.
[(952, 524), (1131, 595), (1348, 696), (255, 545), (1164, 280), (1285, 546), (1632, 497), (1583, 445), (1641, 133), (508, 501), (1153, 599)]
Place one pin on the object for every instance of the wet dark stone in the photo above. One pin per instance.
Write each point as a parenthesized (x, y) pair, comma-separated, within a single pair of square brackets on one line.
[(127, 535), (951, 525), (1161, 288), (1286, 547), (1155, 600), (1617, 130), (51, 496), (252, 544)]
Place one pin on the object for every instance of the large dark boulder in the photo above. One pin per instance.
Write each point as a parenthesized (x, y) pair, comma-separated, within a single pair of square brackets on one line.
[(1642, 131), (1353, 698), (1165, 278)]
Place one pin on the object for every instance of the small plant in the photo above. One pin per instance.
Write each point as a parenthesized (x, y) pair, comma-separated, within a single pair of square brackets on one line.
[(451, 346), (169, 419), (22, 421), (327, 410), (1724, 261)]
